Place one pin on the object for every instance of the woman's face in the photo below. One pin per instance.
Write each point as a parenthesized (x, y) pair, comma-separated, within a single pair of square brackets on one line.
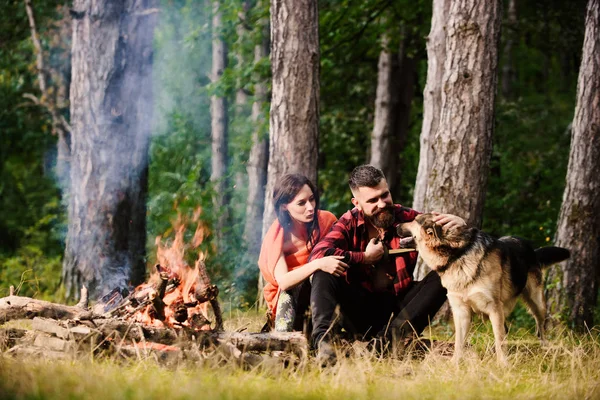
[(302, 207)]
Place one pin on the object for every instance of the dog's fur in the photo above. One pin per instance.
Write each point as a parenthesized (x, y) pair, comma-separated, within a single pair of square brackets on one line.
[(483, 274)]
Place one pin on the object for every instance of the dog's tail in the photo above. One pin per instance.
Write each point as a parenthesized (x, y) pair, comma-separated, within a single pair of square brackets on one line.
[(551, 255)]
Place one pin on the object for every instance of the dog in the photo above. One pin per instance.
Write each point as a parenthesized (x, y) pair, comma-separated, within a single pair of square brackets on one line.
[(484, 275)]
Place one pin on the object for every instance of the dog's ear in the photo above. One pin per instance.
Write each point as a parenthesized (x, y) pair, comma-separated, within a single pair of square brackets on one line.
[(434, 231)]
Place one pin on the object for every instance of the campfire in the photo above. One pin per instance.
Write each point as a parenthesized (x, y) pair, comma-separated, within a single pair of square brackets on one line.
[(173, 316), (176, 295)]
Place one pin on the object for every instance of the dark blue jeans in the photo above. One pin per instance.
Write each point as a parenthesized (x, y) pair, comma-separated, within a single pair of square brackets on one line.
[(364, 314)]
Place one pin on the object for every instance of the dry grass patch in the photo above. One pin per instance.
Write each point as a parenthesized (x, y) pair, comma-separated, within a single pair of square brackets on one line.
[(569, 367)]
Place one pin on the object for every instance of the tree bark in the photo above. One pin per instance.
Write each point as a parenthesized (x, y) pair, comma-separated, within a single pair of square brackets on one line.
[(463, 141), (383, 144), (111, 106), (432, 97), (294, 118), (395, 89), (18, 307), (508, 69), (459, 149), (218, 113), (241, 96), (257, 168), (574, 283)]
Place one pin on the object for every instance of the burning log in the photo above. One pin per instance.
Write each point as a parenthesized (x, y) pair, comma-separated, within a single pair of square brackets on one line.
[(159, 287)]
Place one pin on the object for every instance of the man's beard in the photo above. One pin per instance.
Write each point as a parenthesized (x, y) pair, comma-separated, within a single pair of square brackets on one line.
[(382, 219)]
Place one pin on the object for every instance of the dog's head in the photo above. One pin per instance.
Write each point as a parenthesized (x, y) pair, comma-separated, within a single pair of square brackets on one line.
[(429, 235)]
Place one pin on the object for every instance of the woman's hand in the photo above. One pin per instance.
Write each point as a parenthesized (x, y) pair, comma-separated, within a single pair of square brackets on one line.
[(332, 265)]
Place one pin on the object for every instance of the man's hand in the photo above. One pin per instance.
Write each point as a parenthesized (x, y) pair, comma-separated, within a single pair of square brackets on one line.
[(374, 251), (332, 265), (448, 221)]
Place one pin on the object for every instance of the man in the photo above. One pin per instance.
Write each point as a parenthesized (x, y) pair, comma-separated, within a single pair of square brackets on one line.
[(377, 296)]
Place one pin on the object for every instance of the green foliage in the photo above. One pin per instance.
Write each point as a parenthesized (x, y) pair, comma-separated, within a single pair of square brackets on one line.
[(31, 215), (531, 142), (350, 46)]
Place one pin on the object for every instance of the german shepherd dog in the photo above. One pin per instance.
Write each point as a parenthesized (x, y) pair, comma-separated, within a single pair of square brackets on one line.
[(484, 275)]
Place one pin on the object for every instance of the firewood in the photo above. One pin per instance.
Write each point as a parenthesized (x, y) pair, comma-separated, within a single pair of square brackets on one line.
[(294, 342), (62, 329), (157, 300), (17, 307), (72, 326), (46, 341)]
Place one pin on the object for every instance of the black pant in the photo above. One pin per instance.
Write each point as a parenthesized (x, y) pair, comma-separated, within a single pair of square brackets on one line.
[(365, 314)]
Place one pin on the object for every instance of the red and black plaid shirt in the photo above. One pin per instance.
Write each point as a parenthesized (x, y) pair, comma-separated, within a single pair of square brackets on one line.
[(349, 237)]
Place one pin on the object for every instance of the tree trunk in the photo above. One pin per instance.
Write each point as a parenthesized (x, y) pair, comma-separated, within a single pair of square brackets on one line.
[(463, 141), (241, 96), (218, 113), (406, 78), (458, 150), (111, 108), (432, 97), (432, 105), (257, 169), (383, 144), (395, 89), (575, 282), (508, 69), (294, 127)]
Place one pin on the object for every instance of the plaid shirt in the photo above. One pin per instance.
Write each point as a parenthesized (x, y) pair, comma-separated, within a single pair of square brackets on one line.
[(349, 237)]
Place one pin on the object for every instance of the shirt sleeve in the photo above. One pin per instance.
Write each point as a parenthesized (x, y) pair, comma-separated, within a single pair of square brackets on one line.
[(338, 242)]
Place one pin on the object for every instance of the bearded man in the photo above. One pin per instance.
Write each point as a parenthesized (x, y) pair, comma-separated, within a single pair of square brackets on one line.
[(376, 295)]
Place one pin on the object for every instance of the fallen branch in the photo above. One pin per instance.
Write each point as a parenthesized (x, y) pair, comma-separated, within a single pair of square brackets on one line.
[(18, 307)]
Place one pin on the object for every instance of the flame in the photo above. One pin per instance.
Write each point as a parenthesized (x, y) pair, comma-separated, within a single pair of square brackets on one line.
[(180, 299)]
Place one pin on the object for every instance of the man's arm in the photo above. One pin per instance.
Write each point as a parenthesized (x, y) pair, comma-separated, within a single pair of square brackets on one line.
[(338, 242)]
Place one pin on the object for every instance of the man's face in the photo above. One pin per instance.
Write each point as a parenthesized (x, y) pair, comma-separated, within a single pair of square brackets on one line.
[(376, 204)]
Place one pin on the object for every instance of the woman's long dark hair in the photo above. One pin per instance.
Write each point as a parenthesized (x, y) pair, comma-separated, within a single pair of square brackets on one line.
[(284, 192)]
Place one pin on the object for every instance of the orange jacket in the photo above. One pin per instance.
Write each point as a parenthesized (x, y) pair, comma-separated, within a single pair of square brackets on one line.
[(271, 249)]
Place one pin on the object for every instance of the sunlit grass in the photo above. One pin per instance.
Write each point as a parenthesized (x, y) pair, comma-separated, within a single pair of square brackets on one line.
[(569, 367)]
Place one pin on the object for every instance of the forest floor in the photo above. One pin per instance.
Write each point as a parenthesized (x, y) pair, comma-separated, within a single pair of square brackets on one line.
[(567, 368)]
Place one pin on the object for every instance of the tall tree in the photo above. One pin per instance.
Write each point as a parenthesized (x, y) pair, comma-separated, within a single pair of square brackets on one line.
[(575, 291), (509, 31), (258, 161), (294, 127), (395, 88), (383, 142), (218, 113), (110, 118), (432, 97), (462, 142)]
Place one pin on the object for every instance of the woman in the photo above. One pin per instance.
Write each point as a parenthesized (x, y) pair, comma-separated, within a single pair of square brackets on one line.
[(283, 259)]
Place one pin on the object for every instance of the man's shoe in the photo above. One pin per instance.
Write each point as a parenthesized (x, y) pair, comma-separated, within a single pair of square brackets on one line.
[(326, 355)]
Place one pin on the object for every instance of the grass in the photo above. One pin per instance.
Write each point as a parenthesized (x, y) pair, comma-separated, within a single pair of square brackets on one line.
[(569, 367)]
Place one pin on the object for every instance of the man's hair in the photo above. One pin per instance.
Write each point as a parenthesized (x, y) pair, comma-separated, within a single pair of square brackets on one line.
[(365, 176)]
